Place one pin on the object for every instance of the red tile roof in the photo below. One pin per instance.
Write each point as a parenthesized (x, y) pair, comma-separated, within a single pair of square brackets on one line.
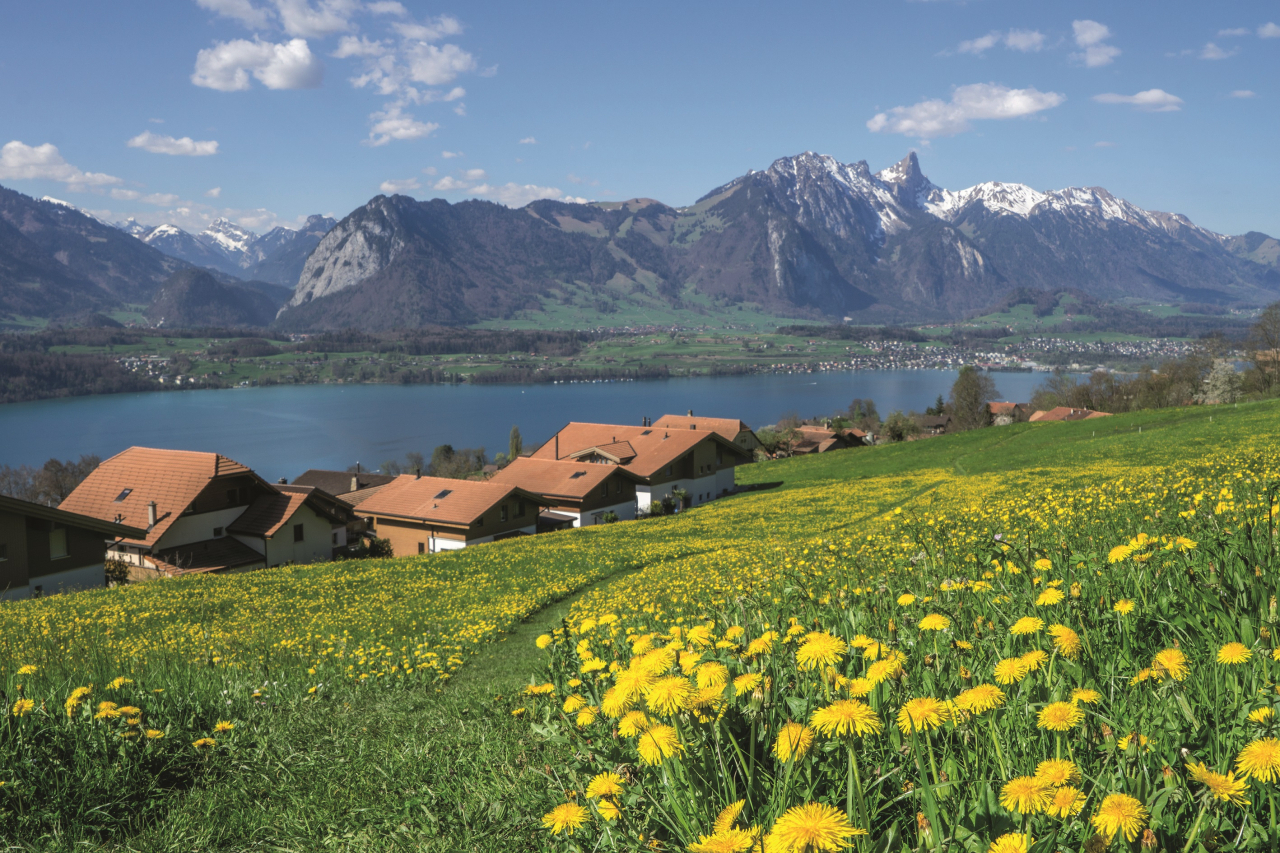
[(171, 478), (425, 497), (1066, 413), (561, 478), (654, 447), (266, 515), (726, 427)]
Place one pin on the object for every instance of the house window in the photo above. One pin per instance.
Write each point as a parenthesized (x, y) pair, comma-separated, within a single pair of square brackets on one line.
[(297, 533), (519, 509), (502, 513), (480, 521), (57, 543), (4, 551), (604, 490), (422, 547), (443, 494), (335, 538), (217, 533), (122, 495), (231, 495)]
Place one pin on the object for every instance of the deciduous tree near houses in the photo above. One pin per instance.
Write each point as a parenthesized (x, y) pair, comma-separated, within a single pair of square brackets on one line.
[(969, 397)]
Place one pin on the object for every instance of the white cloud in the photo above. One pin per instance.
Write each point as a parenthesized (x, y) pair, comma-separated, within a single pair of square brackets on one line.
[(432, 30), (518, 195), (358, 46), (1151, 101), (156, 120), (474, 175), (436, 66), (1269, 31), (213, 193), (300, 18), (387, 7), (430, 170), (160, 199), (394, 123), (1091, 36), (934, 118), (227, 65), (125, 195), (184, 147), (449, 184), (1243, 93), (1212, 51), (449, 155), (528, 140), (1104, 145), (240, 10), (21, 162), (460, 109), (1236, 31), (399, 186), (1026, 41)]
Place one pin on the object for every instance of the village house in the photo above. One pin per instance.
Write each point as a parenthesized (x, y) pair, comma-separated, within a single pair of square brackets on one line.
[(203, 512), (731, 428), (817, 439), (697, 462), (580, 491), (426, 515), (1066, 413), (936, 424), (339, 483), (44, 551), (1004, 414)]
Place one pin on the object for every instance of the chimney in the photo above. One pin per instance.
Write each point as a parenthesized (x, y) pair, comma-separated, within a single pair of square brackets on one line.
[(557, 445), (417, 473), (355, 482), (691, 413), (283, 481), (151, 514)]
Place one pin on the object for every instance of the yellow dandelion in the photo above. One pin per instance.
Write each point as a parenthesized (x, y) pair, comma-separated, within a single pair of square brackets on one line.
[(1057, 772), (1011, 671), (658, 743), (608, 810), (1025, 795), (712, 674), (845, 717), (725, 820), (1233, 654), (1010, 842), (573, 702), (669, 695), (922, 714), (1085, 695), (1224, 787), (935, 622), (543, 641), (1142, 741), (1050, 597), (980, 698), (1059, 716), (726, 841), (747, 683), (793, 742), (906, 599), (761, 645), (204, 743), (1066, 802), (224, 726), (819, 649), (154, 734), (1171, 662), (565, 818), (22, 707), (964, 645), (1262, 716), (633, 724), (27, 669), (1066, 641), (1260, 760), (1026, 625), (1120, 813), (1118, 553), (811, 828), (883, 670), (586, 716), (607, 784), (107, 711)]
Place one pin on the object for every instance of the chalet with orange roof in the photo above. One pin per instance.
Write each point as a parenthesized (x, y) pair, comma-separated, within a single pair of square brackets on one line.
[(580, 490), (731, 428), (697, 461), (817, 439), (426, 515), (203, 512), (1005, 413), (1066, 413), (44, 551)]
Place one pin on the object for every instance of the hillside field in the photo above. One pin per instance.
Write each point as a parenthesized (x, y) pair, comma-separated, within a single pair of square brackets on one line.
[(1024, 636)]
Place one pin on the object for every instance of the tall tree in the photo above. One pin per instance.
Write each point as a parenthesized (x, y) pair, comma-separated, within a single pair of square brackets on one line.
[(1263, 346), (515, 445), (969, 397)]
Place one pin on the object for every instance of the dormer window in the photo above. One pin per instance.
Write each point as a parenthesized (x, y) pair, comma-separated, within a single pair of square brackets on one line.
[(123, 495), (444, 494)]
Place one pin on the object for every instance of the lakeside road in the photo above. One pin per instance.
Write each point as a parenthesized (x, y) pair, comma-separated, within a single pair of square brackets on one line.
[(282, 431)]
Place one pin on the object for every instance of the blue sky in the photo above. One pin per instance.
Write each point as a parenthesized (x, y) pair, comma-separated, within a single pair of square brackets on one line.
[(268, 110)]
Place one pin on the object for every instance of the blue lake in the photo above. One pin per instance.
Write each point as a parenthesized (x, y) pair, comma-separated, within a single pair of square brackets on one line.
[(282, 431)]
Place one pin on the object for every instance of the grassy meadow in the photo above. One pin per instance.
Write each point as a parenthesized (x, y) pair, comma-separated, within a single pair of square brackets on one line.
[(1018, 638)]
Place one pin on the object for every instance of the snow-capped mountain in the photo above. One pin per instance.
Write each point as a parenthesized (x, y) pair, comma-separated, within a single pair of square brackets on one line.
[(808, 234), (275, 257)]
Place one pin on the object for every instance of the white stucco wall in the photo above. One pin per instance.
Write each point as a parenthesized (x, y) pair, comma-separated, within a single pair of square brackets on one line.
[(700, 489), (198, 527), (316, 546), (626, 512), (85, 577)]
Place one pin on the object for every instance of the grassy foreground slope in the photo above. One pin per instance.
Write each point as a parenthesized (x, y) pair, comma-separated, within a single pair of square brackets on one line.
[(358, 723)]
